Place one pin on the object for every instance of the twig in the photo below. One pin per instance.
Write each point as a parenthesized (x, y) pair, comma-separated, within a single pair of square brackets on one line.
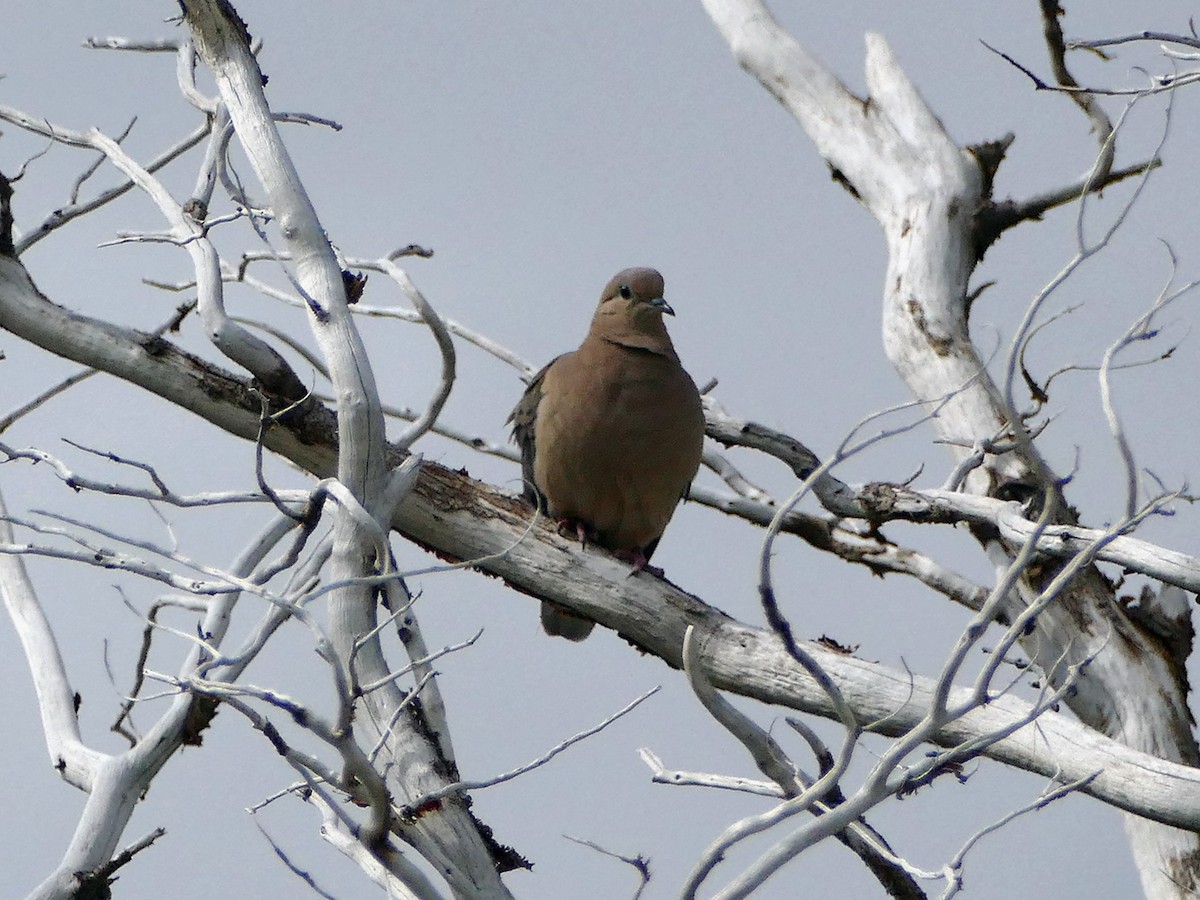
[(1139, 330), (1101, 124), (640, 864), (1159, 83), (953, 869), (295, 869), (1158, 36), (466, 786), (441, 334), (98, 879), (659, 774)]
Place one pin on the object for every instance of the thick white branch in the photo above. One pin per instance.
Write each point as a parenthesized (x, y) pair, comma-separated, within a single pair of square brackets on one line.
[(1062, 541), (467, 520), (448, 837), (76, 761), (924, 191)]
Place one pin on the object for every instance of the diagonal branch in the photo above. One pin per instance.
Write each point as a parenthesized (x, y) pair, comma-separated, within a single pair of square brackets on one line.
[(56, 699), (1086, 101), (463, 519)]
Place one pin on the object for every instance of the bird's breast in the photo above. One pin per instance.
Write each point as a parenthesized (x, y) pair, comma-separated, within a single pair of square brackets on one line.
[(620, 449)]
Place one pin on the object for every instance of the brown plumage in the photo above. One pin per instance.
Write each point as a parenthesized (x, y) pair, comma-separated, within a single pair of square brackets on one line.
[(611, 433)]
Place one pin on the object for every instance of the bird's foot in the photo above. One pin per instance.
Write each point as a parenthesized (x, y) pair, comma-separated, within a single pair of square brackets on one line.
[(640, 563), (582, 530)]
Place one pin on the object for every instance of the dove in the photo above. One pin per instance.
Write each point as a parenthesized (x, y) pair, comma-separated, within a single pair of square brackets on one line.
[(611, 434)]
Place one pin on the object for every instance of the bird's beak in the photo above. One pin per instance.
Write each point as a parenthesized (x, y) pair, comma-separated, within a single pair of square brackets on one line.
[(660, 304)]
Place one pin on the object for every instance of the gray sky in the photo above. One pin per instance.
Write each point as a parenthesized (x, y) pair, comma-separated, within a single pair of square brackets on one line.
[(538, 148)]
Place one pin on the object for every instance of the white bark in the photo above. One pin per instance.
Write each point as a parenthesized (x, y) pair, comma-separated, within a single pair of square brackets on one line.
[(448, 836), (467, 520), (75, 760), (115, 782), (1062, 541), (923, 189)]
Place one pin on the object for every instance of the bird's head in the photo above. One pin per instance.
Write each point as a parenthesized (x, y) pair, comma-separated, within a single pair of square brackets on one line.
[(631, 310)]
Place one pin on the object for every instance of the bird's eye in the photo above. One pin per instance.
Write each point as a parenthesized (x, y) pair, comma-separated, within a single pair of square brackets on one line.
[(625, 291)]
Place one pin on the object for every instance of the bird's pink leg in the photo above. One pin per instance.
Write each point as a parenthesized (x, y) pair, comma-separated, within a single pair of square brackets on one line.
[(587, 534), (581, 529), (640, 563)]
